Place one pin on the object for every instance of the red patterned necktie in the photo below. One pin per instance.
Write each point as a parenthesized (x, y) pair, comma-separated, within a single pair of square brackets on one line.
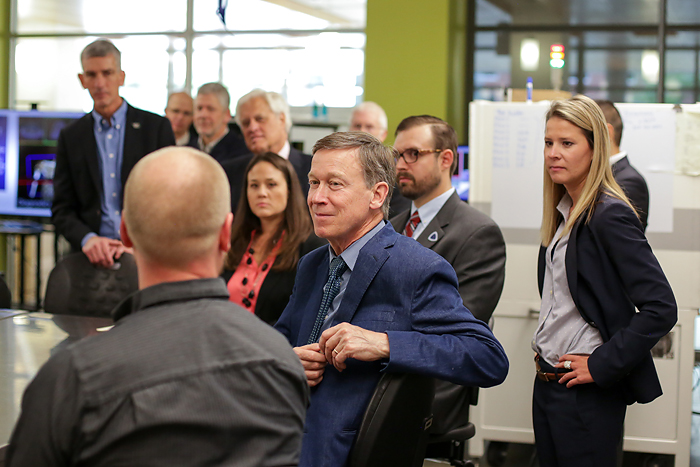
[(412, 224)]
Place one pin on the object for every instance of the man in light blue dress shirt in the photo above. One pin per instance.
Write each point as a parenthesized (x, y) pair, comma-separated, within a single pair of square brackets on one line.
[(95, 155)]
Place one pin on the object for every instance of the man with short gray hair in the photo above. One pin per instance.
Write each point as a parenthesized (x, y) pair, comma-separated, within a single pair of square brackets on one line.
[(95, 155), (211, 120), (185, 377), (265, 120), (388, 304)]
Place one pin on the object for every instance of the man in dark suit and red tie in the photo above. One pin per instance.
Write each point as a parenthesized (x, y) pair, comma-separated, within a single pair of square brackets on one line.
[(438, 219), (372, 301), (96, 154)]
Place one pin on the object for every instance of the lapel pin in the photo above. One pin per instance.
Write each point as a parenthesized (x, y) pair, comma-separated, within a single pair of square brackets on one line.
[(136, 125), (433, 237)]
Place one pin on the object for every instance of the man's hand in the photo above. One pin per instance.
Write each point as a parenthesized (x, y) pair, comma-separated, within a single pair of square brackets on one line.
[(313, 361), (579, 373), (101, 251), (345, 341)]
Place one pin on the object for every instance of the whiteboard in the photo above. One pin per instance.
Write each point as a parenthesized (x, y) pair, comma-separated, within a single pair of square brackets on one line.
[(507, 148)]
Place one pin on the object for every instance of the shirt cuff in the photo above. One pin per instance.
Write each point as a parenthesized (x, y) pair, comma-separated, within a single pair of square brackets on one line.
[(86, 238)]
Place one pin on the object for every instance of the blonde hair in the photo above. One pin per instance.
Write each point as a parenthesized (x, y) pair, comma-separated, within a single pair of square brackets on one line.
[(175, 203), (584, 113)]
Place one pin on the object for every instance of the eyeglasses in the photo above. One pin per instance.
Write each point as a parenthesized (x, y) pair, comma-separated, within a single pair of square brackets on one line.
[(411, 155)]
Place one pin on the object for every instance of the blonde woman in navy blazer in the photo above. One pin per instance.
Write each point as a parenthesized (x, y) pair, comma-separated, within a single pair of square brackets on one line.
[(594, 258)]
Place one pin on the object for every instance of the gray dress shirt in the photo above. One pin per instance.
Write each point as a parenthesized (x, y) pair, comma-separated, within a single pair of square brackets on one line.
[(561, 329), (185, 377)]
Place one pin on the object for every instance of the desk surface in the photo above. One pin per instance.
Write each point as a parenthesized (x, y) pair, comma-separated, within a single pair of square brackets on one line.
[(27, 340)]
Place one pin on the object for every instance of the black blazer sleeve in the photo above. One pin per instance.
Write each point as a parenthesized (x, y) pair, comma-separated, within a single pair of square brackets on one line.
[(611, 270), (76, 204)]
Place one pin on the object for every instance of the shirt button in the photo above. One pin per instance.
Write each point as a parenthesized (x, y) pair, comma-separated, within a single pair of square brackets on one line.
[(114, 195), (117, 127), (111, 175), (116, 213), (111, 156), (109, 136)]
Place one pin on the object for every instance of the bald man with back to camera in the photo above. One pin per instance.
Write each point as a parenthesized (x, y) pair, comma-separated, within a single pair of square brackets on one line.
[(185, 377)]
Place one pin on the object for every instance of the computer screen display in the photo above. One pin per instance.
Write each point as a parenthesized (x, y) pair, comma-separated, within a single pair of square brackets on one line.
[(460, 180), (28, 141)]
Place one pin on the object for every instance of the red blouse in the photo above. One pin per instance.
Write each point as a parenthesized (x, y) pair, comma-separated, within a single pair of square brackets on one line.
[(244, 285)]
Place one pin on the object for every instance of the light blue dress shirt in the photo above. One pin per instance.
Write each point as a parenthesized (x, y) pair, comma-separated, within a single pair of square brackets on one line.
[(350, 257), (109, 136)]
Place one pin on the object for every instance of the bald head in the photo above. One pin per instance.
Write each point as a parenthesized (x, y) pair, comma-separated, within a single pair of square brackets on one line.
[(176, 201), (370, 118)]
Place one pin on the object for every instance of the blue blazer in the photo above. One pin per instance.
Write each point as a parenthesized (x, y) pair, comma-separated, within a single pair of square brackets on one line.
[(409, 292), (610, 270)]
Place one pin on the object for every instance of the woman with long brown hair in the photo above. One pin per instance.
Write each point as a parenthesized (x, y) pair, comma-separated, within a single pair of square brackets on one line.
[(271, 231)]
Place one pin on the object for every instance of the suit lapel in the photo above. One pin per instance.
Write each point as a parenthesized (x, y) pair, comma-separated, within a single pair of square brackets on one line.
[(370, 260), (132, 142), (90, 152), (433, 232)]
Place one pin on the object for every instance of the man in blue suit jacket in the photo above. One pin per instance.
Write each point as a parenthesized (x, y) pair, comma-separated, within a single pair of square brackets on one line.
[(397, 306)]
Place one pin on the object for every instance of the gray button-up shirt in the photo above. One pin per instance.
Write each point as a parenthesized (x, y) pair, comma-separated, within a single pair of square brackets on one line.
[(561, 329)]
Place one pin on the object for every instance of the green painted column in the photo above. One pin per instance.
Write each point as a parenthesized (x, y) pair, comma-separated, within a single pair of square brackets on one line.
[(414, 59)]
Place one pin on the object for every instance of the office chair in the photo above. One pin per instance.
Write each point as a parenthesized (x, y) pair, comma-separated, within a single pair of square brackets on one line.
[(394, 427), (5, 294), (454, 441), (76, 287)]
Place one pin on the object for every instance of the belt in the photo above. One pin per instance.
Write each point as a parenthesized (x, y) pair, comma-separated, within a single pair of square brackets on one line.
[(548, 376)]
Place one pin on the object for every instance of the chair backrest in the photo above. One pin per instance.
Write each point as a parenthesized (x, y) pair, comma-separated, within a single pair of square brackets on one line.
[(5, 294), (76, 287), (394, 427)]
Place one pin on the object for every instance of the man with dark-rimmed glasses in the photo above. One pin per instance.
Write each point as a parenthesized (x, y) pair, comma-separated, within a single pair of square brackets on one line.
[(438, 219)]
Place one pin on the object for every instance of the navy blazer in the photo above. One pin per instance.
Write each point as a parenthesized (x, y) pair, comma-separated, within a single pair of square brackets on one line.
[(409, 292), (77, 182), (610, 270)]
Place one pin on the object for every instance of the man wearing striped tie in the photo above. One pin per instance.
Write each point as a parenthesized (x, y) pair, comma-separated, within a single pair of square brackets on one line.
[(372, 301), (438, 219)]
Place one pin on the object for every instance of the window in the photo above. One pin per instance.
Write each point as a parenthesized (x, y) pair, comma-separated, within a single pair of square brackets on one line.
[(311, 54)]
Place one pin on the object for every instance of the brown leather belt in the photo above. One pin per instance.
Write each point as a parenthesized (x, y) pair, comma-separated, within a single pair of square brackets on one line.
[(545, 376)]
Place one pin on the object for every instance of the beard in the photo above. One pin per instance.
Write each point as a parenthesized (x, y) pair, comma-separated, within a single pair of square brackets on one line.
[(414, 189)]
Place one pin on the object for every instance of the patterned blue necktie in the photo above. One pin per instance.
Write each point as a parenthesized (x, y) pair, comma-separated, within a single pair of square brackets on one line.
[(330, 291)]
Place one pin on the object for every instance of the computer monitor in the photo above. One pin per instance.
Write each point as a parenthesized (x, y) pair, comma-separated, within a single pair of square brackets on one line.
[(28, 141), (460, 180)]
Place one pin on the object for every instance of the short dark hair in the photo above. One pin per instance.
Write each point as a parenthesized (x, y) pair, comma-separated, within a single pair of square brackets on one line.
[(101, 48), (378, 162), (612, 116), (444, 136), (296, 223)]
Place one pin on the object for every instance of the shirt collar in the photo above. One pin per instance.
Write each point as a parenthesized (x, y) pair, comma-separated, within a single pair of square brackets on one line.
[(117, 118), (564, 206), (618, 157), (284, 152), (351, 253), (208, 147), (170, 292), (430, 209)]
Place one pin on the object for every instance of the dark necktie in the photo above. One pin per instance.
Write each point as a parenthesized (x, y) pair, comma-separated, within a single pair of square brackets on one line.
[(330, 291), (412, 224)]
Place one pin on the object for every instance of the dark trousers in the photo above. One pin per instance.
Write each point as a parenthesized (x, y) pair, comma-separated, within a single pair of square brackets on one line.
[(577, 427)]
